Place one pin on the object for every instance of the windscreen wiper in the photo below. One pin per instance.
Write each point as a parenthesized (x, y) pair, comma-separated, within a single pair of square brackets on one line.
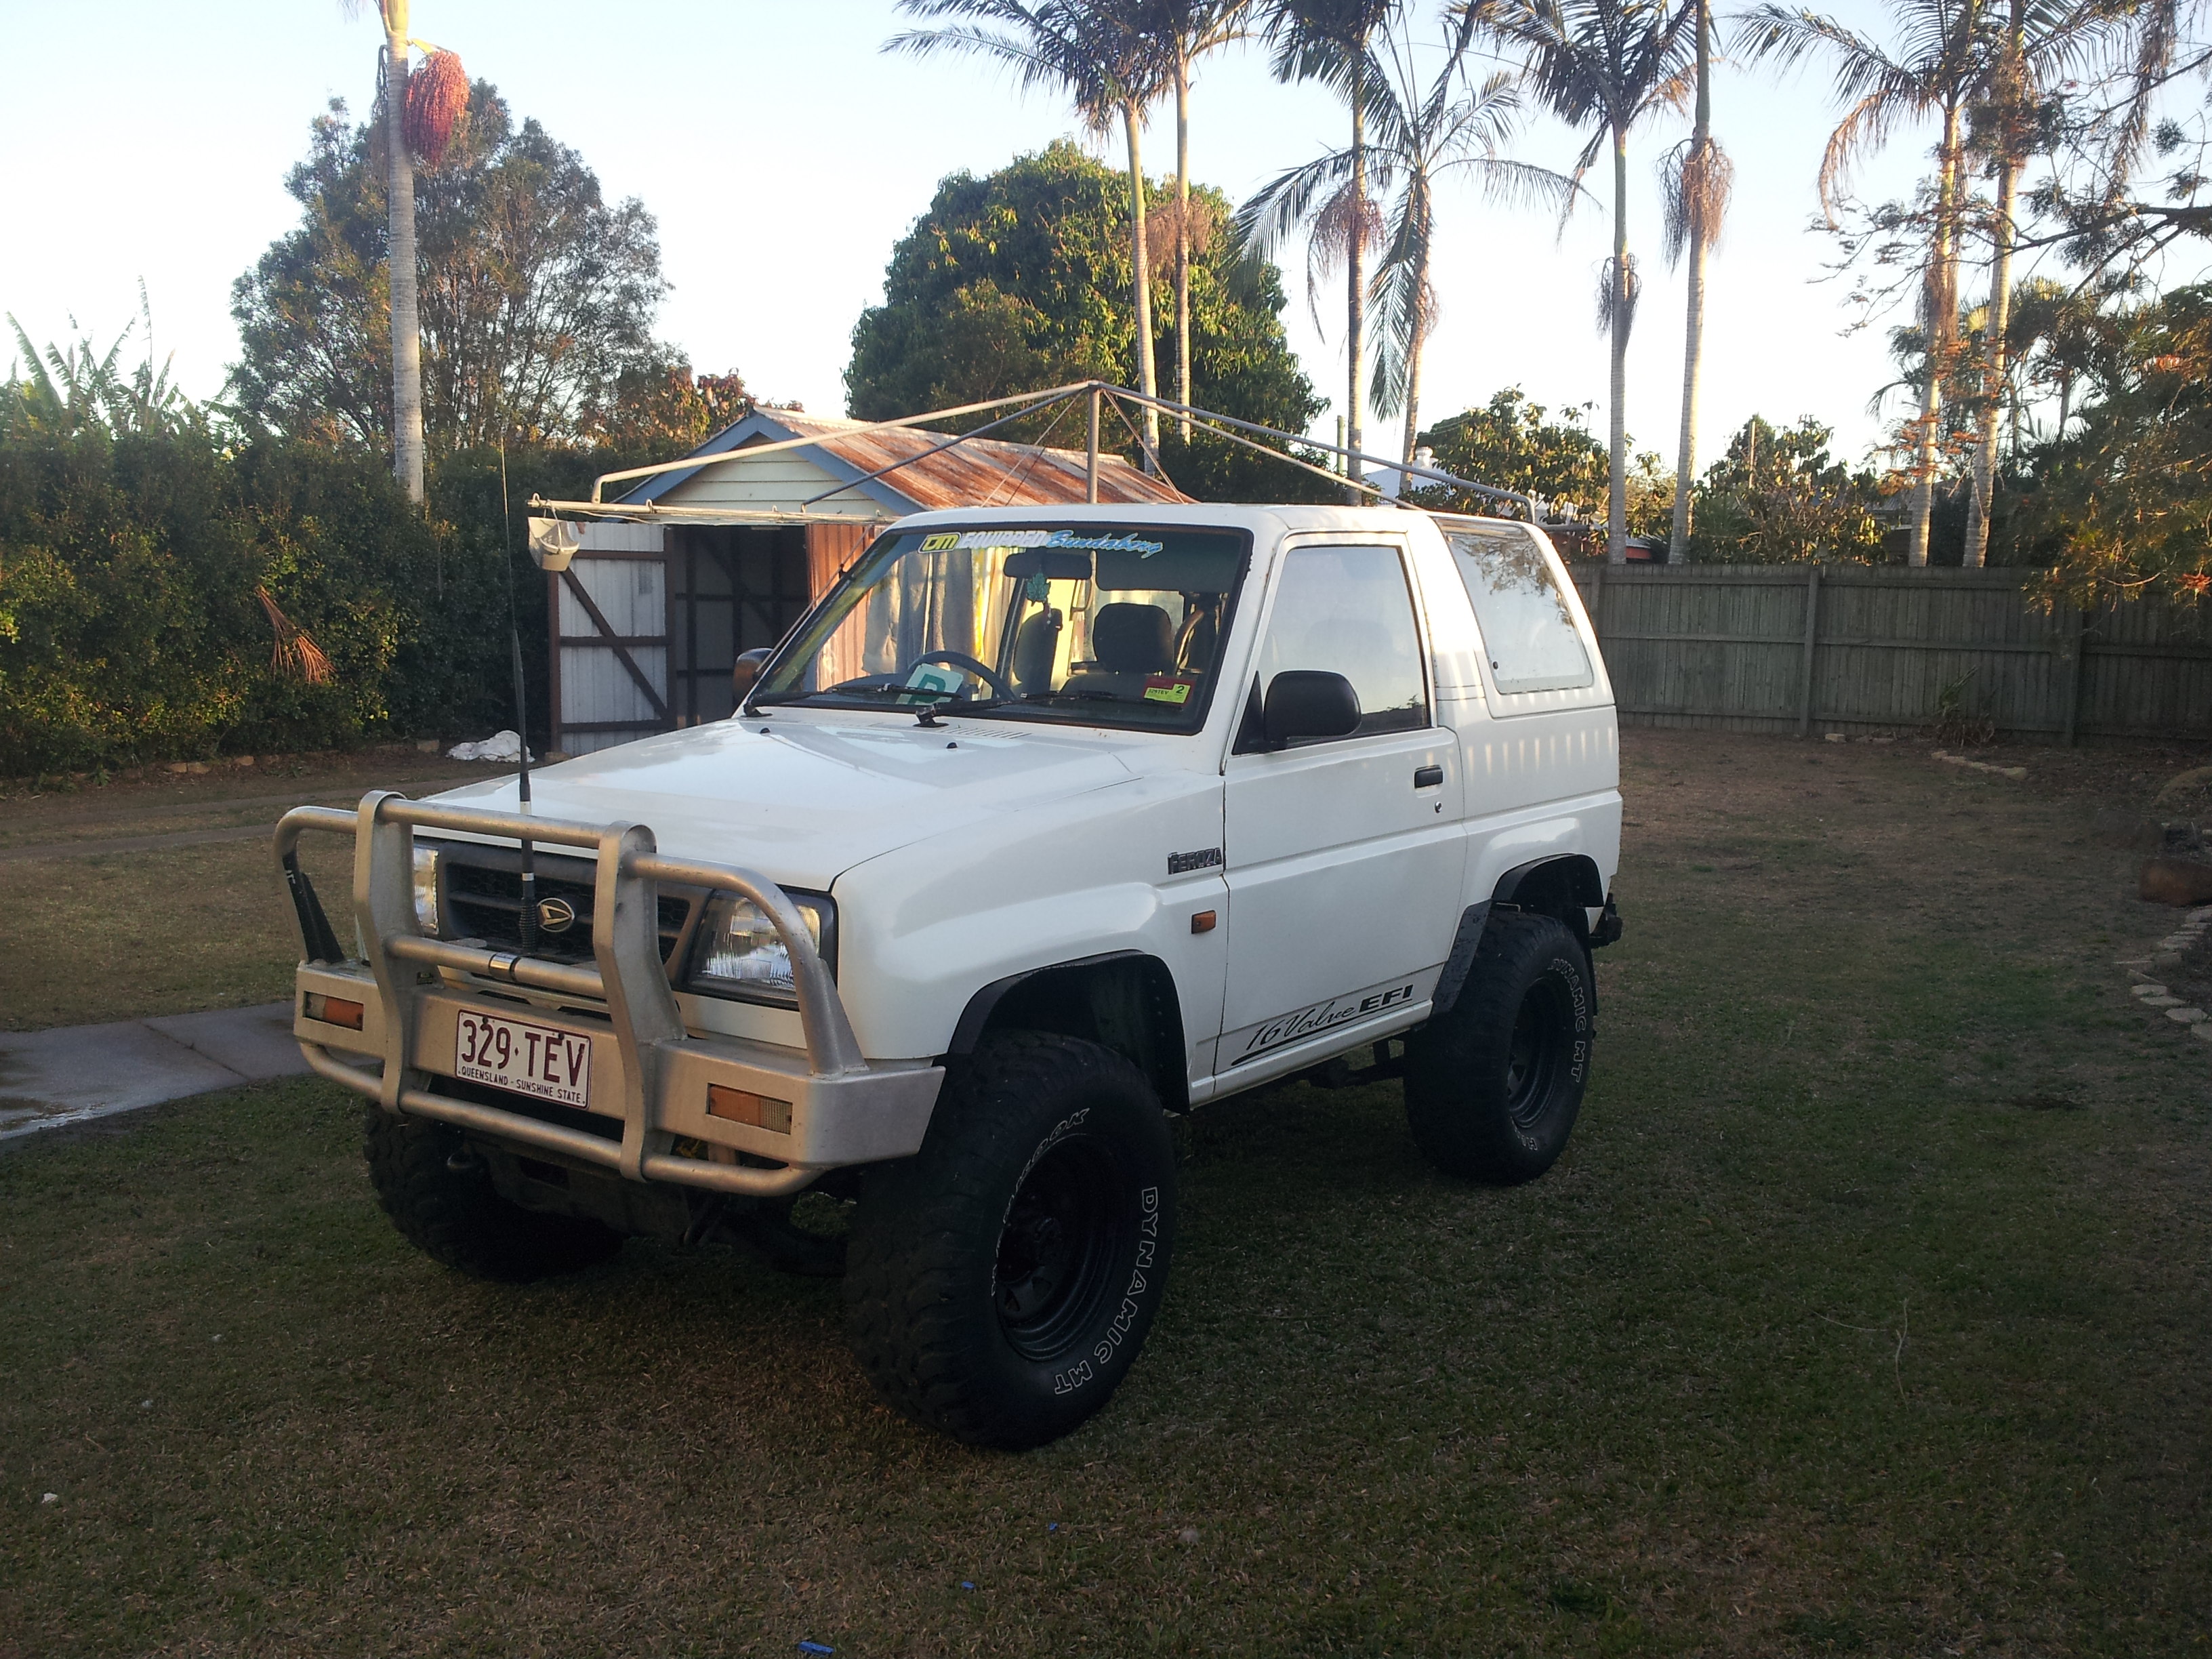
[(928, 715)]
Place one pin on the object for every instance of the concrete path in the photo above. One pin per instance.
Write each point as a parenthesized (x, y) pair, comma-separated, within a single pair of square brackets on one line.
[(77, 1073)]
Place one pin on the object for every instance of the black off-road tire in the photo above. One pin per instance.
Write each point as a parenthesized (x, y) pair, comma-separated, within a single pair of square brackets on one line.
[(801, 1244), (1493, 1085), (1000, 1282), (439, 1193)]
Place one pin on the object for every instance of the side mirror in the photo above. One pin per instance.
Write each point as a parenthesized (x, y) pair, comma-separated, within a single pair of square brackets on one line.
[(747, 672), (1308, 702)]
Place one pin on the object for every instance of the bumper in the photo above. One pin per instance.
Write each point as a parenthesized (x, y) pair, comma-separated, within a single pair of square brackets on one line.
[(818, 1109)]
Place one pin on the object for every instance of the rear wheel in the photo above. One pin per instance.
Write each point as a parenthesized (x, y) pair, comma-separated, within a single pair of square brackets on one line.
[(1002, 1280), (438, 1191), (1493, 1086)]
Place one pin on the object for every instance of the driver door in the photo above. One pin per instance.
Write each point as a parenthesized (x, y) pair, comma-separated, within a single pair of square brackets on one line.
[(1344, 855)]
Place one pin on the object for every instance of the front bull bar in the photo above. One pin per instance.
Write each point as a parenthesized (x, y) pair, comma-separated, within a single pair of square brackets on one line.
[(843, 1110)]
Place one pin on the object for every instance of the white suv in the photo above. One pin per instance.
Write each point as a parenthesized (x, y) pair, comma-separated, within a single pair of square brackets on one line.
[(1040, 825)]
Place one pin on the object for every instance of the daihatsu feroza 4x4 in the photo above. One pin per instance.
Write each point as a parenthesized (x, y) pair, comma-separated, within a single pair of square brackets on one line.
[(1039, 825)]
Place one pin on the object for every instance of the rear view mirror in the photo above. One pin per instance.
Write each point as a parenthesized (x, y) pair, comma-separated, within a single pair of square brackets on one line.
[(1053, 563), (1309, 703), (747, 672)]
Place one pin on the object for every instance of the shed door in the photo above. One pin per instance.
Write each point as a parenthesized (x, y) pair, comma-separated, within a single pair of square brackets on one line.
[(610, 616)]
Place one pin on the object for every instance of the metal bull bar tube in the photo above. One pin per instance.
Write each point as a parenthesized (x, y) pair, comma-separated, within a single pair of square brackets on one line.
[(842, 1109)]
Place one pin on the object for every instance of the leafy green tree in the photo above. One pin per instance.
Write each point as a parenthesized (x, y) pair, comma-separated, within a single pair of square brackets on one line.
[(1111, 63), (1511, 443), (1778, 497), (2120, 505), (1021, 279), (61, 391), (537, 296)]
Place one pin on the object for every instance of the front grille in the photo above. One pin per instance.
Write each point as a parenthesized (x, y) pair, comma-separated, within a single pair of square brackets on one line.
[(482, 898)]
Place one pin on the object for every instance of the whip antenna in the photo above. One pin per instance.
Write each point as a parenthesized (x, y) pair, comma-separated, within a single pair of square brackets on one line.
[(529, 917)]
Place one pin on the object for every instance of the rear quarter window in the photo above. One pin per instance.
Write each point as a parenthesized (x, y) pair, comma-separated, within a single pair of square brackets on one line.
[(1528, 632)]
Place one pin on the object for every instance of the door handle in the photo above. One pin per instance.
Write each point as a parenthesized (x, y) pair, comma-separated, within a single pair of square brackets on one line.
[(1428, 777)]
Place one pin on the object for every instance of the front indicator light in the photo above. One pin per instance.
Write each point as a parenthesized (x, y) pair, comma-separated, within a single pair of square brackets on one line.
[(333, 1010), (742, 1106)]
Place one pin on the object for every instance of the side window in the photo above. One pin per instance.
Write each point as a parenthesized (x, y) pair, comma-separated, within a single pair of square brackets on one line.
[(1526, 630), (1347, 609)]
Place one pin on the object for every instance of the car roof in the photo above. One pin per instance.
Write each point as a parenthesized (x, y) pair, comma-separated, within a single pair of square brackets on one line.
[(1260, 520)]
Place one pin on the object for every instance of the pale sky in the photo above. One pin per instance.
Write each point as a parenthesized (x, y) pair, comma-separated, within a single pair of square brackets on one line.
[(783, 153)]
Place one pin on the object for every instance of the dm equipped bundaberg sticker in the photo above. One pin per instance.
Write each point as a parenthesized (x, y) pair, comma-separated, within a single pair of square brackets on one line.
[(946, 541)]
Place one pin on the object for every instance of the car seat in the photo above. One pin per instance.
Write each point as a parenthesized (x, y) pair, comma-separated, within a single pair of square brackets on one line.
[(1036, 647), (1128, 643)]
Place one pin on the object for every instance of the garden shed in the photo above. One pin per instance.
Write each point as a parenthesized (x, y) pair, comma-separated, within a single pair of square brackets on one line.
[(648, 619)]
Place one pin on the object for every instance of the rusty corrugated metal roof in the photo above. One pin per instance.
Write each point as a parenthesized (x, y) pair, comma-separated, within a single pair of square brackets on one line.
[(980, 472)]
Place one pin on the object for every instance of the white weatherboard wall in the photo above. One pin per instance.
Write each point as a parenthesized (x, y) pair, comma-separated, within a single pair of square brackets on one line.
[(629, 582), (780, 482)]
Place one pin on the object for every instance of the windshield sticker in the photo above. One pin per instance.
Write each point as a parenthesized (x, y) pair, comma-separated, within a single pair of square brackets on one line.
[(946, 541), (1169, 688)]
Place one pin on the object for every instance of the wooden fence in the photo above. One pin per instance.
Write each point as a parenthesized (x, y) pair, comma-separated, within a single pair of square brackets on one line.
[(1805, 648)]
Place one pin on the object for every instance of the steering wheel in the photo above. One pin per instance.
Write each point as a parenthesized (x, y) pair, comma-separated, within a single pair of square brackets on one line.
[(961, 660)]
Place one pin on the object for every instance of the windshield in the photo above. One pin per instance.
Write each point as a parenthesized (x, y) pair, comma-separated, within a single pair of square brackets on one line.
[(1101, 624)]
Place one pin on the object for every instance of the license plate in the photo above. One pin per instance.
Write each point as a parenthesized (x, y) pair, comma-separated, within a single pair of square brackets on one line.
[(530, 1060)]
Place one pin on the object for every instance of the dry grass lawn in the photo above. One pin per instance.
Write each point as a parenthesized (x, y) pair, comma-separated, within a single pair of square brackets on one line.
[(170, 930), (1868, 1313)]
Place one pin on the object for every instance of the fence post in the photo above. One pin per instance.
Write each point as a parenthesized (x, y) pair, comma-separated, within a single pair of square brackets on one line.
[(1597, 602), (2081, 643), (1811, 645)]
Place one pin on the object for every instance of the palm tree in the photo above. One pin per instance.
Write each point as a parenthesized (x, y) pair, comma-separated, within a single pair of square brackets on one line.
[(1189, 29), (1098, 52), (2043, 38), (1602, 64), (1423, 139), (406, 319), (1698, 179), (1936, 70), (1332, 41), (1417, 136)]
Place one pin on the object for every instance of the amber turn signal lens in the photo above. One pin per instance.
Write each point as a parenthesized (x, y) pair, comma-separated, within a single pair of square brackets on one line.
[(742, 1106), (333, 1010), (1202, 922)]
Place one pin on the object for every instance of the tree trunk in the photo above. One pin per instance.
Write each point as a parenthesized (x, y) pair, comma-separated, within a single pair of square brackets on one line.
[(2010, 114), (406, 320), (1941, 304), (1693, 333), (1147, 379), (1420, 321), (1182, 233), (1355, 262), (1616, 528)]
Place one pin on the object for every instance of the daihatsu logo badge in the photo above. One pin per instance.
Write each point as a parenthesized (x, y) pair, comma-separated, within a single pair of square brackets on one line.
[(555, 915)]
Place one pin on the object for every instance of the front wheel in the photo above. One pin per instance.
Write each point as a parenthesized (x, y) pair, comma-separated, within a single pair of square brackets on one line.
[(1000, 1281), (1494, 1084), (438, 1191)]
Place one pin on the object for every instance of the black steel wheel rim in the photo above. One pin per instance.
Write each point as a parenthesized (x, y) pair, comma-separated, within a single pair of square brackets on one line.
[(1064, 1235), (1540, 1033)]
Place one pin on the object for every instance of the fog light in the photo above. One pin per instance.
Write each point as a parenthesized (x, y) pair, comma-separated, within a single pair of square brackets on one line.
[(333, 1010), (742, 1106)]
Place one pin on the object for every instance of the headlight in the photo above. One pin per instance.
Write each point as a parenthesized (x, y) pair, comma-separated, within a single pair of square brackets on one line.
[(426, 890), (738, 953)]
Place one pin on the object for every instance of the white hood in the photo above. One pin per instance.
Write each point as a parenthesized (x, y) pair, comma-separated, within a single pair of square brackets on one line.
[(809, 797)]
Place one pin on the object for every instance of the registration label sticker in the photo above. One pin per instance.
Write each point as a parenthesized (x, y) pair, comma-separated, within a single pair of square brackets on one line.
[(529, 1060)]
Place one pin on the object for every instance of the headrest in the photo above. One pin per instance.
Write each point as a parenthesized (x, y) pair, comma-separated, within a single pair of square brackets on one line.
[(1132, 639)]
